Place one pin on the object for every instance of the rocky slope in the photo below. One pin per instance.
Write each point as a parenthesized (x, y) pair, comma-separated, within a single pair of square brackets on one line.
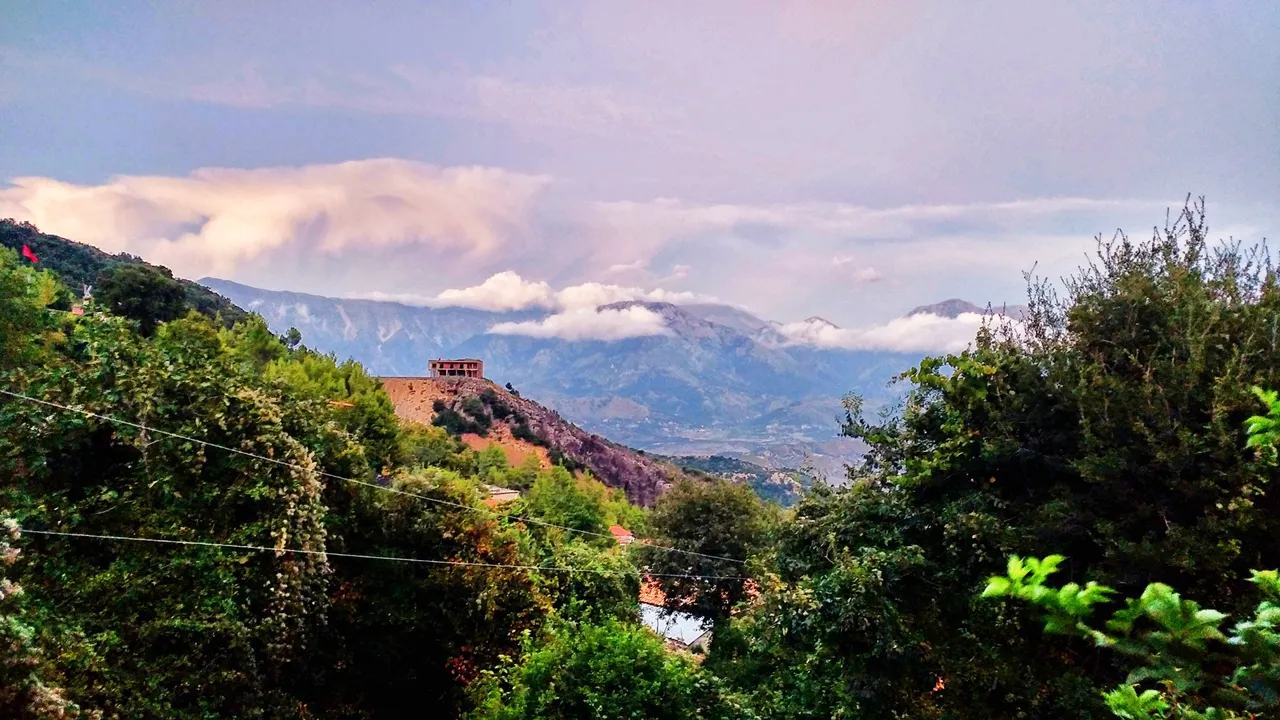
[(523, 425)]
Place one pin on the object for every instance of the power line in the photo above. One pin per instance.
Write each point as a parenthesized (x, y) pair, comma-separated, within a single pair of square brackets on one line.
[(322, 473), (461, 563)]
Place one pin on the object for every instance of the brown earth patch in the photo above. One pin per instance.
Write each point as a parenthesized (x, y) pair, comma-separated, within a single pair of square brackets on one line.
[(413, 398)]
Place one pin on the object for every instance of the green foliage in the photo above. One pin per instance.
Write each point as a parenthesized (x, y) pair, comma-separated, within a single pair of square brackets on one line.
[(1180, 649), (422, 446), (559, 459), (23, 693), (492, 462), (521, 431), (143, 293), (1264, 430), (164, 631), (712, 518), (609, 670), (28, 325), (471, 417), (605, 584), (399, 633), (562, 499)]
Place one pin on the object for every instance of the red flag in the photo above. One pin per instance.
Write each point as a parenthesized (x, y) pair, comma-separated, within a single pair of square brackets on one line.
[(26, 253)]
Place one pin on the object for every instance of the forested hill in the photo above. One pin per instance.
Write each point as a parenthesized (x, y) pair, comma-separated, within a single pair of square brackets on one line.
[(79, 265)]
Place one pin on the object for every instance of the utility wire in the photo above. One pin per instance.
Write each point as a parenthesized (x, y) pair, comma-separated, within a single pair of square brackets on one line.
[(462, 563), (354, 481)]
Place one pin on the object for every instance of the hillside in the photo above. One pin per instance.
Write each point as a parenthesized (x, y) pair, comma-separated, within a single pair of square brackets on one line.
[(483, 413), (79, 265)]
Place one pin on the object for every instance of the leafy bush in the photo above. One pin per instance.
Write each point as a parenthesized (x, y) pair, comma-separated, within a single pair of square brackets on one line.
[(607, 671), (1187, 667)]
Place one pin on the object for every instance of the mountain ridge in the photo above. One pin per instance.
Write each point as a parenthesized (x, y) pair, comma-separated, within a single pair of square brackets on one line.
[(719, 381)]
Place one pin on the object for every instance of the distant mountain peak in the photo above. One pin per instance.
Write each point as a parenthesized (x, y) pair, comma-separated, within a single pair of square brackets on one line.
[(661, 308), (816, 320), (955, 307)]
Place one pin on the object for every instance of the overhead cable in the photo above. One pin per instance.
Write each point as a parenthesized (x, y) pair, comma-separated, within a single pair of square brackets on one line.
[(285, 463)]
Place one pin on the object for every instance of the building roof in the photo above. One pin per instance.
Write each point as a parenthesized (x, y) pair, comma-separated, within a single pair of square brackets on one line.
[(673, 625), (619, 532)]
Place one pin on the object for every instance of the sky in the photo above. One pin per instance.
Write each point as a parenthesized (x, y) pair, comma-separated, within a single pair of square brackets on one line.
[(848, 160)]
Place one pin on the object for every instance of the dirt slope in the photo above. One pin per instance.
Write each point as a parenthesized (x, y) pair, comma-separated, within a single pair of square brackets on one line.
[(642, 477)]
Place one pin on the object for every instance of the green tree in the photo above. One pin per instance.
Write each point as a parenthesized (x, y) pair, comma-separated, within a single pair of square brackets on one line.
[(23, 693), (720, 525), (422, 446), (605, 671), (292, 339), (27, 324), (147, 630), (144, 293), (491, 464), (403, 635), (559, 498), (1180, 649)]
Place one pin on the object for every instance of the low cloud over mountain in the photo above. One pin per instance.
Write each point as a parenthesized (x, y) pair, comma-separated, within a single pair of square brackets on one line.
[(589, 324), (500, 239)]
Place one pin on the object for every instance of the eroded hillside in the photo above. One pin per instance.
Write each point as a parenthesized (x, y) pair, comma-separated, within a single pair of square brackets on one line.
[(473, 408)]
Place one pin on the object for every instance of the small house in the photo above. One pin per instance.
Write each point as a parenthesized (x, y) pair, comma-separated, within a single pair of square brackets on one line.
[(466, 367), (621, 534), (680, 630), (500, 495)]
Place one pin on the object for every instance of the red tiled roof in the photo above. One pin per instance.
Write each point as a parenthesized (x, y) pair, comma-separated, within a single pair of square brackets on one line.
[(620, 532)]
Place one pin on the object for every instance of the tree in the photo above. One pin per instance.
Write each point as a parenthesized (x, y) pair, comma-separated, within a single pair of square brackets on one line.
[(150, 630), (292, 339), (561, 499), (144, 293), (491, 463), (27, 324), (1181, 649), (606, 671), (23, 692), (422, 446), (720, 525)]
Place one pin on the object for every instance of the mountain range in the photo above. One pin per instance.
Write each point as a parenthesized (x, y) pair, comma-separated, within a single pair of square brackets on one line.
[(719, 381)]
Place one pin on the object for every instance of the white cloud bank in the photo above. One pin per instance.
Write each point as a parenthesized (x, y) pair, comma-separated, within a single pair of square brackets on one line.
[(214, 219), (405, 228), (590, 324), (507, 291), (917, 333)]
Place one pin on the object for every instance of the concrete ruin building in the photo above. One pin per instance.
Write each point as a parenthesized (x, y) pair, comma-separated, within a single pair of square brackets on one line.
[(466, 367)]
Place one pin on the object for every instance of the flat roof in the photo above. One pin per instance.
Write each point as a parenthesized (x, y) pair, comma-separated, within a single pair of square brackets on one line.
[(673, 624)]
